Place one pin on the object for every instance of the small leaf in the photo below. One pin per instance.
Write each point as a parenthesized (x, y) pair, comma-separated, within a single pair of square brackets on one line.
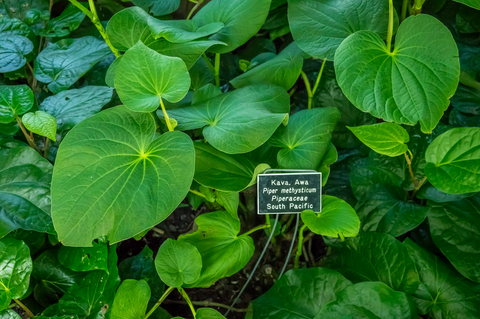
[(143, 77), (13, 51), (61, 26), (229, 200), (84, 259), (10, 314), (15, 100), (15, 270), (238, 121), (180, 31), (384, 138), (208, 313), (223, 251), (62, 63), (156, 7), (337, 219), (41, 123), (453, 161), (178, 263), (131, 300)]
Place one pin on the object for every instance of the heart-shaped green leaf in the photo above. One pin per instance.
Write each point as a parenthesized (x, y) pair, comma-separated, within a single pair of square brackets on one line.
[(223, 251), (127, 27), (73, 106), (240, 20), (337, 219), (144, 77), (14, 101), (453, 161), (283, 70), (180, 31), (99, 158), (384, 138), (375, 257), (13, 50), (15, 270), (25, 178), (62, 63), (471, 3), (409, 85), (131, 300), (225, 172), (178, 263), (41, 123), (320, 26), (306, 138), (238, 121)]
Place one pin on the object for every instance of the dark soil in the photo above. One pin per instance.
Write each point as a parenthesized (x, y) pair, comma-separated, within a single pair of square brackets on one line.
[(225, 290)]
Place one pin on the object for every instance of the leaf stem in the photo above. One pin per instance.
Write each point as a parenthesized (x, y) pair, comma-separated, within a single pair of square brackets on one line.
[(210, 65), (217, 69), (206, 303), (309, 89), (299, 247), (198, 4), (159, 302), (257, 228), (420, 184), (390, 26), (29, 313), (404, 10), (197, 193), (187, 299), (30, 140), (319, 77), (46, 147), (165, 114), (267, 222), (409, 162)]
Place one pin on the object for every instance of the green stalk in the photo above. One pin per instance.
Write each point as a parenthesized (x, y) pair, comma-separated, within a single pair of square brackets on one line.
[(29, 139), (217, 69), (309, 89), (257, 228), (404, 11), (267, 222), (187, 299), (165, 114), (390, 26), (27, 311), (197, 193), (198, 4), (210, 65), (299, 247), (319, 77), (159, 302)]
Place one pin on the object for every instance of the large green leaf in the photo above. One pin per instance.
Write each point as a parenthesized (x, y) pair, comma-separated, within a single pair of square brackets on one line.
[(453, 161), (103, 170), (223, 251), (306, 138), (299, 294), (225, 172), (53, 279), (375, 257), (61, 26), (242, 19), (471, 3), (127, 27), (337, 219), (62, 63), (455, 229), (443, 292), (144, 77), (131, 300), (25, 179), (40, 123), (189, 52), (180, 31), (373, 300), (387, 209), (239, 121), (84, 259), (178, 263), (93, 294), (13, 26), (15, 270), (13, 51), (73, 106), (384, 138), (158, 7), (319, 26), (283, 70), (14, 101), (409, 85)]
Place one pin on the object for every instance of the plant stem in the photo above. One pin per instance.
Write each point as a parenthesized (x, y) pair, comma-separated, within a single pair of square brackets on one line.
[(198, 4), (187, 299), (243, 207), (404, 10), (167, 119), (50, 6), (197, 193), (412, 176), (206, 303), (210, 65), (159, 302), (217, 69), (390, 26), (267, 222), (46, 147), (420, 184), (309, 89), (29, 313), (299, 247), (257, 228), (92, 14), (319, 77), (29, 139)]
